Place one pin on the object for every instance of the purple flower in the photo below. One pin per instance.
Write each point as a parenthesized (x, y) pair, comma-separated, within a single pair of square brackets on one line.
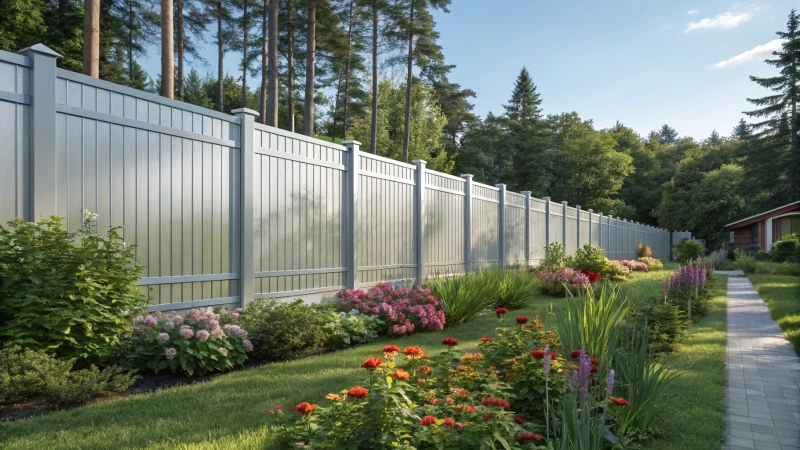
[(247, 345), (547, 360), (150, 321), (186, 332), (170, 352), (203, 335), (169, 325), (177, 320), (585, 370), (573, 382), (162, 337), (610, 382)]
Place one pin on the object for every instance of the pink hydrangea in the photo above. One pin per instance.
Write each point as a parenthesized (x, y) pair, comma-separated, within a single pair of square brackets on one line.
[(186, 332), (203, 335), (247, 345), (170, 352), (404, 309), (162, 337), (634, 266)]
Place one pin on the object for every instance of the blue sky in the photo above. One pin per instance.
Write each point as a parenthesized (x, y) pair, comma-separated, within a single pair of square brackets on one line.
[(643, 63)]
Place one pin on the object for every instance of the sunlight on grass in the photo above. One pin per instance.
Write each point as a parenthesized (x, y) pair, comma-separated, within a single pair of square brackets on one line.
[(781, 294)]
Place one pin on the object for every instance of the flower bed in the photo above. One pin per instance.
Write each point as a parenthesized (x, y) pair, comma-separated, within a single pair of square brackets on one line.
[(556, 282), (634, 266), (402, 310)]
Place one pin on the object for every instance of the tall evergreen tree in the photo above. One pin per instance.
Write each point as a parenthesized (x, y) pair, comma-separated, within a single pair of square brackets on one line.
[(136, 29), (667, 135), (191, 23), (742, 131), (311, 53)]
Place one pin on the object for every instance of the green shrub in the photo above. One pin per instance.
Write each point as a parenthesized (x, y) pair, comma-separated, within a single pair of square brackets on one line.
[(643, 251), (589, 258), (666, 322), (27, 374), (785, 248), (555, 258), (463, 297), (688, 250), (763, 255), (616, 271), (790, 269), (347, 328), (514, 287), (283, 330), (727, 265), (652, 263), (71, 294)]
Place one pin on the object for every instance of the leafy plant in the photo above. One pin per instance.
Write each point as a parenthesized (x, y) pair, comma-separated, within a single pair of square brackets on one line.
[(514, 287), (347, 328), (70, 294), (785, 248), (652, 263), (27, 374), (688, 250), (643, 251), (402, 310), (284, 330), (193, 343), (558, 283), (590, 258), (555, 258), (666, 323), (465, 296), (616, 271), (763, 255)]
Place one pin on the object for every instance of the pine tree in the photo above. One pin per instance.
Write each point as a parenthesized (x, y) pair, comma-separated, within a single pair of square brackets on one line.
[(311, 53), (191, 22), (667, 135), (220, 10), (523, 109), (167, 50), (742, 131), (782, 106), (136, 29), (22, 23), (272, 64)]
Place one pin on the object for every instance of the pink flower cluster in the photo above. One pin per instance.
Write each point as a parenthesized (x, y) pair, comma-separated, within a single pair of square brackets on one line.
[(568, 276), (405, 310), (201, 324), (634, 266)]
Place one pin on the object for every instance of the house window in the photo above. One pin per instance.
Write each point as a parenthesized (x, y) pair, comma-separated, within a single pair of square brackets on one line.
[(754, 236)]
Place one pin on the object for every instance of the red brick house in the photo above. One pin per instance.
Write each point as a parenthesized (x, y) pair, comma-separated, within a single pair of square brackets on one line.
[(759, 232)]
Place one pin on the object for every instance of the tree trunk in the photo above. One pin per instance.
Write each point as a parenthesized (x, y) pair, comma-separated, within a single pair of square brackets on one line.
[(130, 42), (347, 70), (407, 127), (795, 152), (336, 109), (104, 66), (180, 49), (290, 77), (264, 40), (220, 55), (91, 38), (308, 102), (272, 85), (245, 29), (167, 51), (373, 131)]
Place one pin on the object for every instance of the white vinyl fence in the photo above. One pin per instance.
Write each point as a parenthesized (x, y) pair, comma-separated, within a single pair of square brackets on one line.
[(223, 210)]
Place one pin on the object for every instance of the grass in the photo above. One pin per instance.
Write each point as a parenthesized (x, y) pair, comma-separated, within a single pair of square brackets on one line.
[(226, 412), (782, 295), (693, 408)]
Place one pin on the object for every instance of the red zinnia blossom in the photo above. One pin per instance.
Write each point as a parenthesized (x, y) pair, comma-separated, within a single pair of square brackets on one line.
[(528, 436), (357, 392), (466, 408), (372, 363), (553, 355), (519, 418), (522, 319), (593, 369), (500, 311), (413, 351), (449, 341), (428, 421), (619, 401), (391, 349), (450, 423), (424, 369), (400, 374), (484, 339), (575, 353), (594, 362), (538, 354), (449, 400), (305, 408), (435, 401), (497, 402), (487, 416)]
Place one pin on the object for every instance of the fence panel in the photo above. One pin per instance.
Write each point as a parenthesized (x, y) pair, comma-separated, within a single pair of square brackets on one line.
[(585, 229), (515, 229), (485, 226), (14, 135), (571, 238), (537, 233), (444, 226)]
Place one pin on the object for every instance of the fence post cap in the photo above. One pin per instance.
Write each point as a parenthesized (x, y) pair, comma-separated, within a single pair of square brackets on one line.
[(247, 111), (466, 175), (351, 142), (577, 206), (419, 161), (547, 199), (525, 192), (41, 48), (564, 202), (500, 185), (590, 210)]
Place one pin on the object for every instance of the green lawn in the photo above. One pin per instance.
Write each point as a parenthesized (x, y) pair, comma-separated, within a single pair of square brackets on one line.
[(226, 412), (781, 293), (693, 412)]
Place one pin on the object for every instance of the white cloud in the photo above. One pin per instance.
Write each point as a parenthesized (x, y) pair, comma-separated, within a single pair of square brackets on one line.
[(723, 20), (759, 53), (692, 11)]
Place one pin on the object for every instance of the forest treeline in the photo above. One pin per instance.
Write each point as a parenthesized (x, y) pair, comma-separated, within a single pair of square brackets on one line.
[(372, 70)]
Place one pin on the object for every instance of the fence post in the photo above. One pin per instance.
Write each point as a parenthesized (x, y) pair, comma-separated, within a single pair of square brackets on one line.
[(600, 230), (590, 225), (501, 227), (546, 221), (42, 166), (578, 226), (246, 272), (467, 222), (527, 255), (419, 204), (353, 188), (564, 225)]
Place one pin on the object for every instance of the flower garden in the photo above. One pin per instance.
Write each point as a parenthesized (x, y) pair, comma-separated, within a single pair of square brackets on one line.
[(578, 353)]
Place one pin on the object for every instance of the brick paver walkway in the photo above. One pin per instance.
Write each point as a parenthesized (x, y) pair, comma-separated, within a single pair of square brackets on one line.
[(763, 376)]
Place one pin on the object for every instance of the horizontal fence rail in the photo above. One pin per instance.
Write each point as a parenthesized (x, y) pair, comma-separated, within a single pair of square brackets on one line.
[(223, 210)]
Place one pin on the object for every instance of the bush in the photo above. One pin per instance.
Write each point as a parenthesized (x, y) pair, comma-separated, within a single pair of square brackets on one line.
[(652, 263), (763, 255), (28, 374), (189, 344), (514, 287), (555, 258), (70, 294), (635, 266), (465, 296), (589, 258), (401, 310), (347, 328), (643, 251), (616, 271), (557, 283), (688, 250), (727, 265), (281, 331), (667, 323), (746, 263), (786, 248)]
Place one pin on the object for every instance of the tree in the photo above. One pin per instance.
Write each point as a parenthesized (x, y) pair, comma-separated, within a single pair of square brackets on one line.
[(167, 50), (311, 42), (783, 103), (191, 23), (667, 135), (220, 10), (91, 38), (196, 90), (135, 29), (271, 115), (22, 24), (742, 131)]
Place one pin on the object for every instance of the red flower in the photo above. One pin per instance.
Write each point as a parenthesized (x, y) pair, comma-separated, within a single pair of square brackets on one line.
[(466, 408), (357, 392), (522, 319), (449, 341), (412, 351), (449, 400), (428, 421), (400, 374), (449, 423), (500, 311), (435, 401), (487, 416), (575, 353), (305, 408), (528, 436), (391, 349), (424, 369), (619, 401), (538, 354), (496, 402), (486, 339), (590, 275), (553, 355), (372, 364), (594, 362), (519, 418), (593, 369), (541, 326)]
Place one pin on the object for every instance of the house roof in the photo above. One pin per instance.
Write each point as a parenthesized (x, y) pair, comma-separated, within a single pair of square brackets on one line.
[(764, 215)]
